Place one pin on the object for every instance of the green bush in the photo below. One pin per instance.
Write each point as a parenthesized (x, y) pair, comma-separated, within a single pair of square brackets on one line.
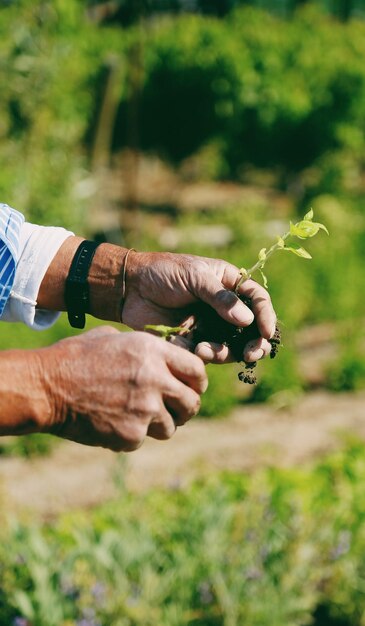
[(280, 94), (51, 59), (272, 93), (278, 547)]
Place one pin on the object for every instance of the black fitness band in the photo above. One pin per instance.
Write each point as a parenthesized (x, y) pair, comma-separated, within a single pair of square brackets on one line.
[(77, 293)]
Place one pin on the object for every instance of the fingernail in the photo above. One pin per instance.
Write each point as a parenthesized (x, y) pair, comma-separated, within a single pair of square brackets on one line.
[(256, 355), (205, 386), (273, 331), (205, 352), (241, 314), (253, 354)]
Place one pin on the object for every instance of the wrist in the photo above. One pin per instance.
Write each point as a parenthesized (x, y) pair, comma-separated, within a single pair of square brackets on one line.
[(106, 282), (105, 279), (24, 404)]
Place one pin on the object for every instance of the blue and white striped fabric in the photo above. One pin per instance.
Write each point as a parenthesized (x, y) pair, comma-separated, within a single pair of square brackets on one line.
[(10, 224)]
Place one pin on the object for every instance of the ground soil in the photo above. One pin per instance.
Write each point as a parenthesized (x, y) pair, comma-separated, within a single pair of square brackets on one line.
[(76, 476)]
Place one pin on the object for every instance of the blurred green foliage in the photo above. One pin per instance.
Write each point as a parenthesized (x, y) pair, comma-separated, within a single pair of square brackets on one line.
[(282, 94), (27, 446), (279, 94), (280, 379), (11, 337), (347, 372), (279, 547), (127, 12), (50, 59), (223, 394)]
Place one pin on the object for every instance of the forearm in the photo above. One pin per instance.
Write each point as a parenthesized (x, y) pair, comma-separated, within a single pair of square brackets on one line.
[(24, 406), (105, 280)]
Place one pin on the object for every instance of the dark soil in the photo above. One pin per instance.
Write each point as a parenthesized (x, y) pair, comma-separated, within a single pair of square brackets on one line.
[(211, 327)]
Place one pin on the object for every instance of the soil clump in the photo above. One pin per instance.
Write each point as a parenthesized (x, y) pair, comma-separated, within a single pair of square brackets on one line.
[(211, 327)]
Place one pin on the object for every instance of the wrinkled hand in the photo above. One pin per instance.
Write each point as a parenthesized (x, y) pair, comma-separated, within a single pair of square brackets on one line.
[(162, 288), (111, 389)]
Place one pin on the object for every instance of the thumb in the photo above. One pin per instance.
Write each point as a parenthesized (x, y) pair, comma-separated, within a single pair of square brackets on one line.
[(226, 303)]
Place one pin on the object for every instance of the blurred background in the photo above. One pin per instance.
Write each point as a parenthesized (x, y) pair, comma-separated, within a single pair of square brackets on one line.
[(198, 126)]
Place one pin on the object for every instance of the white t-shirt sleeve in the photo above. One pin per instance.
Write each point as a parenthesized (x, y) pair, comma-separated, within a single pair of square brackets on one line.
[(38, 245)]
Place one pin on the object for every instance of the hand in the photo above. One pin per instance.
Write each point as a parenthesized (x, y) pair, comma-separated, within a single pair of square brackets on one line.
[(111, 389), (162, 288)]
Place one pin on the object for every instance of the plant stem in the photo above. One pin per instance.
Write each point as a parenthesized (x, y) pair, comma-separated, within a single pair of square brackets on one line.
[(260, 264)]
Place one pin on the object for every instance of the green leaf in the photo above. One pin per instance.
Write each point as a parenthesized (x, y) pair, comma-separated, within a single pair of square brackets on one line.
[(309, 216), (306, 229), (264, 279), (262, 254), (322, 227), (298, 250), (23, 602)]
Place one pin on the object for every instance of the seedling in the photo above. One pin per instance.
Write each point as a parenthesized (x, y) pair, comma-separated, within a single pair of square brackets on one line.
[(211, 327), (304, 229)]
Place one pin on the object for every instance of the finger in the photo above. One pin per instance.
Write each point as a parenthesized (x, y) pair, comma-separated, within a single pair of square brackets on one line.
[(187, 367), (208, 288), (188, 321), (162, 427), (218, 353), (182, 402), (182, 342), (129, 440), (260, 300), (261, 306), (231, 275), (211, 352), (256, 350)]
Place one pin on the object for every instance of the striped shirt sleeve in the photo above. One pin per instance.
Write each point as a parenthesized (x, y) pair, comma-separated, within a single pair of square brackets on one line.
[(10, 225)]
